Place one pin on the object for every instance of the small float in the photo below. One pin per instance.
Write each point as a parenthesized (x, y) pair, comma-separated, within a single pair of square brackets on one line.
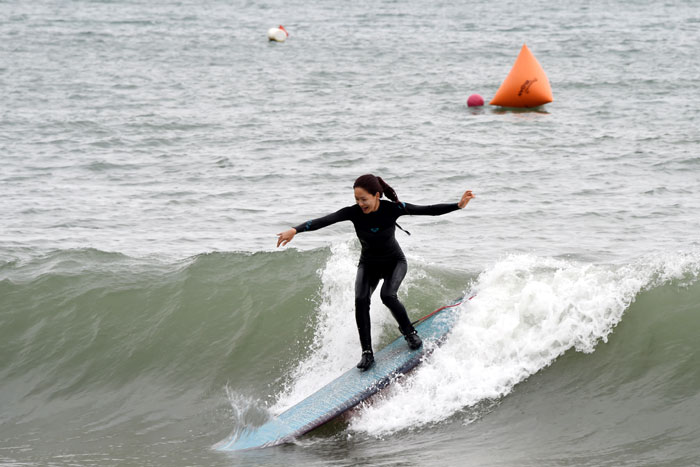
[(475, 100), (278, 34), (526, 85)]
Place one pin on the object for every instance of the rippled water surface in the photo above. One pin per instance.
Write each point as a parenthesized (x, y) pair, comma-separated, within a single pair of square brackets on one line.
[(177, 128)]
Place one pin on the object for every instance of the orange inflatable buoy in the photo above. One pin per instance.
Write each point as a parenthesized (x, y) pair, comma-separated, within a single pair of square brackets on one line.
[(526, 85)]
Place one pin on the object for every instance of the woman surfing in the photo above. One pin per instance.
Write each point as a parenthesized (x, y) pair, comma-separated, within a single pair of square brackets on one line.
[(381, 257)]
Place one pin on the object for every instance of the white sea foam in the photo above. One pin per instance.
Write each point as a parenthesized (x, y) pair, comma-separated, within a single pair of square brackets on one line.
[(245, 411), (527, 312)]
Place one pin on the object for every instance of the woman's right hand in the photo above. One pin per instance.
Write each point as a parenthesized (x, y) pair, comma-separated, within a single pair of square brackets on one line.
[(285, 237)]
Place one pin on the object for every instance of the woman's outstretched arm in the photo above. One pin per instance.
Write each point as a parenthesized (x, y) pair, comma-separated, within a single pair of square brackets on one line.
[(438, 209), (314, 224)]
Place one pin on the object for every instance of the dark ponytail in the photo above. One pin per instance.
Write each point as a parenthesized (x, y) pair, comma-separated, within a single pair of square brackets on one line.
[(388, 191), (373, 185)]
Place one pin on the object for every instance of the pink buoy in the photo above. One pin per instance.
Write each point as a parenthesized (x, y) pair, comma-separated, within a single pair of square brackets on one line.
[(475, 100)]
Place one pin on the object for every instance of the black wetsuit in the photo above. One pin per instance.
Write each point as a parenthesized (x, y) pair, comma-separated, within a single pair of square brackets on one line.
[(381, 257)]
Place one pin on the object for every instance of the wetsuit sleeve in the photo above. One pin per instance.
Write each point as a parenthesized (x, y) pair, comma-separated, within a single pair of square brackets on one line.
[(325, 221), (430, 210)]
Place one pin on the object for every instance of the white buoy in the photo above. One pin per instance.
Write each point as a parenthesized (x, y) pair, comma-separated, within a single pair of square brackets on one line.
[(278, 34)]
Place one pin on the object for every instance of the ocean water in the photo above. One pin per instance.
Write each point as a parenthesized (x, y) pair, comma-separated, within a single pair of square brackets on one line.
[(150, 153)]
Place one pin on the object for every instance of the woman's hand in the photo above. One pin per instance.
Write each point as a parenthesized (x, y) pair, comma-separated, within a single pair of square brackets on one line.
[(466, 197), (286, 236)]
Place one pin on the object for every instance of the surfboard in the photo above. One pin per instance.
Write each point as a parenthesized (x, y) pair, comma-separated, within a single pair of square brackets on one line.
[(347, 390)]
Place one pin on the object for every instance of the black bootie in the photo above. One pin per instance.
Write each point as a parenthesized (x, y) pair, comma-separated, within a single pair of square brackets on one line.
[(414, 341), (367, 360)]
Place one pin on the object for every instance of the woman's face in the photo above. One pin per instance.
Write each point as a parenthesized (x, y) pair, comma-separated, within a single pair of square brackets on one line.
[(368, 203)]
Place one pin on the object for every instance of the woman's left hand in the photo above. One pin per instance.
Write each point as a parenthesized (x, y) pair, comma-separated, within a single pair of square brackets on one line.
[(466, 197)]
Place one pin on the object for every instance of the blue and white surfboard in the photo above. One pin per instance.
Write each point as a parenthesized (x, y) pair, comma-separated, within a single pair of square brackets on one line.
[(346, 391)]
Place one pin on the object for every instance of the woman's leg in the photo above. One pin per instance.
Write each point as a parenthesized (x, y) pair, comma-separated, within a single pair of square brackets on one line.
[(365, 283), (392, 280)]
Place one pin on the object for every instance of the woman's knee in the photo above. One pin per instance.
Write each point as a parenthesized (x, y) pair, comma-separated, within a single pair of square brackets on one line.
[(389, 298)]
